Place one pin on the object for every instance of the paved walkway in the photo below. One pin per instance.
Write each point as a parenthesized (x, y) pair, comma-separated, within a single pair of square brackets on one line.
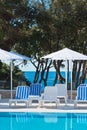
[(48, 107)]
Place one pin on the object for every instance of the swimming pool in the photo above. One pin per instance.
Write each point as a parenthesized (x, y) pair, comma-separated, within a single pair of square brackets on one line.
[(42, 121)]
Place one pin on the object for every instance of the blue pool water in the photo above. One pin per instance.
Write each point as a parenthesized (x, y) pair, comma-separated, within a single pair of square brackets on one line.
[(43, 121)]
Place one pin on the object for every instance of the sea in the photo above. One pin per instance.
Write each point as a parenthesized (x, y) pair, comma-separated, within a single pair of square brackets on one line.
[(30, 77)]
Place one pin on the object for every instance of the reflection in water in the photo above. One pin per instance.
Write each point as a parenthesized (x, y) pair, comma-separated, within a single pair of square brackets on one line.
[(43, 121), (49, 118), (77, 121), (40, 121), (21, 117), (81, 118)]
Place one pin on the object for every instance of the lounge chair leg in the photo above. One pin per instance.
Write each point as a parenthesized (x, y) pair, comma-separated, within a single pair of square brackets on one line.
[(26, 103), (15, 103), (10, 103), (57, 102), (30, 103), (65, 101), (40, 103), (75, 104)]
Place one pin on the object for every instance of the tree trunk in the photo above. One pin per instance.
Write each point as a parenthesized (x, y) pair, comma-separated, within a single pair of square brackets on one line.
[(84, 72), (57, 65)]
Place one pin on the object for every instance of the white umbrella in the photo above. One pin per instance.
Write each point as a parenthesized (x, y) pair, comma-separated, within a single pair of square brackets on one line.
[(66, 54), (20, 55), (5, 55), (17, 57)]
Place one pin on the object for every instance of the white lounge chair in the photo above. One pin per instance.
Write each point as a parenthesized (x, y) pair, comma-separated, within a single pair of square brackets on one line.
[(61, 91), (50, 95), (22, 93), (81, 94)]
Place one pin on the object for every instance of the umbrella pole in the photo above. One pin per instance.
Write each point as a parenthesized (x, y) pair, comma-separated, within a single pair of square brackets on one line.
[(66, 78), (71, 80), (11, 78)]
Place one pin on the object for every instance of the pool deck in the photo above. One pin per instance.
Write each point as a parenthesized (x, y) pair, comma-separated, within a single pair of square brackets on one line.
[(48, 107)]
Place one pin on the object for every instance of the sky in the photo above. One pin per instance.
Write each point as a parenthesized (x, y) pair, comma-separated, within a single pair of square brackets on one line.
[(29, 66)]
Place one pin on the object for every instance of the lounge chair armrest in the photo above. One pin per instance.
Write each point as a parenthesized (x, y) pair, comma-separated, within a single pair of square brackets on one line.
[(42, 95), (76, 97), (67, 96), (0, 96)]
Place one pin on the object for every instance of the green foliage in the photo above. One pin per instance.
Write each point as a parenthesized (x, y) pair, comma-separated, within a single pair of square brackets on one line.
[(36, 28), (18, 76), (40, 27)]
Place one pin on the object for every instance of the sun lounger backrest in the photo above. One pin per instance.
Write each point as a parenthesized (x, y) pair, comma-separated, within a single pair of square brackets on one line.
[(85, 95), (61, 90), (82, 92), (50, 93), (22, 92), (35, 89)]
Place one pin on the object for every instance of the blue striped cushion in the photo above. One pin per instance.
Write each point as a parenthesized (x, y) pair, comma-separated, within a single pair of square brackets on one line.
[(85, 95), (35, 89), (22, 92), (82, 92)]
